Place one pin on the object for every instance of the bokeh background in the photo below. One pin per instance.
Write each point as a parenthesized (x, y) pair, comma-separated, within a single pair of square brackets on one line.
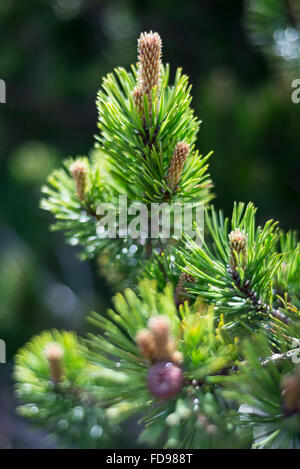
[(241, 57)]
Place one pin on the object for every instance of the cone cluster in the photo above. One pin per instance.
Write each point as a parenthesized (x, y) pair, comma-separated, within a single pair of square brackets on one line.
[(181, 288), (156, 342), (54, 355), (177, 163), (79, 173), (238, 241)]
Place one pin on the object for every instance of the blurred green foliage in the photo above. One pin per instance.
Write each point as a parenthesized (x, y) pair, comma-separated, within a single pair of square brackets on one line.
[(53, 54)]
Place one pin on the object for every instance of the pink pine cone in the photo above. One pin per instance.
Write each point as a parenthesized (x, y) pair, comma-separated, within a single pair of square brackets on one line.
[(165, 380)]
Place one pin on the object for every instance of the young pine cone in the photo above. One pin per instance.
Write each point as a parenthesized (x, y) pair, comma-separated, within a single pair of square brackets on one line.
[(165, 380)]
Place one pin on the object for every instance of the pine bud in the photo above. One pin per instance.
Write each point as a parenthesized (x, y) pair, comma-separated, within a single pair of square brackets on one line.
[(181, 289), (238, 244), (54, 355), (160, 329), (149, 50), (79, 174), (165, 380), (138, 100), (291, 391), (178, 160), (145, 342)]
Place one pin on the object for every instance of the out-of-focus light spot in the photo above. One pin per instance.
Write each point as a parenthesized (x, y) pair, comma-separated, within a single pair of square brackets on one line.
[(33, 409), (62, 424), (78, 413), (287, 43), (118, 21), (61, 300), (67, 9), (133, 249), (96, 431), (32, 161), (291, 34)]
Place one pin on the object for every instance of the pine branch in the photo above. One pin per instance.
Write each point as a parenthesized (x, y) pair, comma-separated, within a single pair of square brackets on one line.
[(266, 392), (143, 119), (162, 360), (238, 281), (173, 349), (54, 382)]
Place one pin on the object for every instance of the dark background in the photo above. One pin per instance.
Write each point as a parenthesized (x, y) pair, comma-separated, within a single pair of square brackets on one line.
[(52, 56)]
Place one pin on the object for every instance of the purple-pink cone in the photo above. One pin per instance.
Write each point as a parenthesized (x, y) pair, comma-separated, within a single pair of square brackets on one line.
[(165, 380)]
